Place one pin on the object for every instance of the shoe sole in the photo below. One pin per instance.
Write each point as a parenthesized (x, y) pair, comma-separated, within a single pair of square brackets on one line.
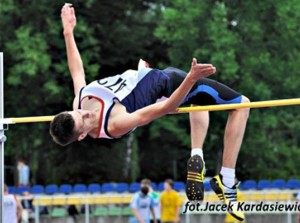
[(214, 186), (194, 185)]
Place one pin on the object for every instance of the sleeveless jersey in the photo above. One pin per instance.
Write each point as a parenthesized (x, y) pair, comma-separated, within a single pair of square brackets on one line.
[(110, 88), (9, 209)]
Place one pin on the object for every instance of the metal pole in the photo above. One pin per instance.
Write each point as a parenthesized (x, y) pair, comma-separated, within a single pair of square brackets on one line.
[(289, 214), (2, 137), (87, 211), (187, 217), (37, 209)]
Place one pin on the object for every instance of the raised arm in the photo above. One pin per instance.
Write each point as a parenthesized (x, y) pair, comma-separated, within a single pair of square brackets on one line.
[(74, 60), (122, 125), (19, 209)]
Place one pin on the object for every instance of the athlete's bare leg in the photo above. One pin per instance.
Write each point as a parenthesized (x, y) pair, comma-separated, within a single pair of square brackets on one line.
[(234, 134), (224, 184), (199, 122)]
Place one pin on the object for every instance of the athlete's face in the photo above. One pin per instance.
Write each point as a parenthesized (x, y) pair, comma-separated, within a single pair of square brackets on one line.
[(83, 122), (167, 186)]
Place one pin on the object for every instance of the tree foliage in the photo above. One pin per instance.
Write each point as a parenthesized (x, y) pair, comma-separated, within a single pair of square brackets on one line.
[(256, 52)]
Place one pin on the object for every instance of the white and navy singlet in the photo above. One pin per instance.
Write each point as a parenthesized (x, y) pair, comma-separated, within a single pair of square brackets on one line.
[(138, 89)]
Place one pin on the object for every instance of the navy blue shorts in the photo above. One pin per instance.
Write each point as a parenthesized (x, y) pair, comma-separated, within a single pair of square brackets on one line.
[(159, 83)]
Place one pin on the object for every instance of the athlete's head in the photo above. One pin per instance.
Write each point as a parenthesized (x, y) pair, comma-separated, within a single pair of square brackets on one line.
[(67, 127), (5, 188), (146, 182), (168, 185), (145, 186)]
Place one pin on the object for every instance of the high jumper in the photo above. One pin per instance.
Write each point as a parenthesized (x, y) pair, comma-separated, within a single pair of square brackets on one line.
[(113, 107)]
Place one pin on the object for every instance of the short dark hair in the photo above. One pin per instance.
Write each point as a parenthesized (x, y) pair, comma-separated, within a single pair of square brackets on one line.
[(146, 182), (22, 160), (5, 188), (62, 129), (170, 182)]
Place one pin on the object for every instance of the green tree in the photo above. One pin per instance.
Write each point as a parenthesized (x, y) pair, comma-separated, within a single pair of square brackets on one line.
[(256, 52), (37, 80)]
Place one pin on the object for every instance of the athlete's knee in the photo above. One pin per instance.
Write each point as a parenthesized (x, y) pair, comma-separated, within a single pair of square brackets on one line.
[(245, 99), (200, 118), (245, 111)]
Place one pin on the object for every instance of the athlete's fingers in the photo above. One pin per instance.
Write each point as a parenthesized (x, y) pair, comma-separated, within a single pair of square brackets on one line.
[(210, 71), (63, 8), (72, 11), (203, 69), (194, 62), (63, 12), (69, 9), (199, 68), (207, 71), (66, 5), (205, 64), (202, 66)]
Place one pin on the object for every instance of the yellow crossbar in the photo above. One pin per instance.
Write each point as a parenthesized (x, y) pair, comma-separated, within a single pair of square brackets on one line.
[(258, 104), (33, 119), (27, 119)]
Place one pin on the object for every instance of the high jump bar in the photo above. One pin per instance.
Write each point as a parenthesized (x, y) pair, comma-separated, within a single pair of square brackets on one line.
[(258, 104)]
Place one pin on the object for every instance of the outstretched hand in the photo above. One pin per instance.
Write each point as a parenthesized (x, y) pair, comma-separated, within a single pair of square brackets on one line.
[(68, 18), (199, 71)]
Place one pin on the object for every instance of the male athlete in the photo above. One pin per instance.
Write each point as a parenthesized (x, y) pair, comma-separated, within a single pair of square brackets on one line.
[(12, 207), (113, 107)]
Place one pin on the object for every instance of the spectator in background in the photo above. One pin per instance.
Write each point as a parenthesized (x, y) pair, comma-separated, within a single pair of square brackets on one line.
[(156, 200), (12, 208), (170, 203), (142, 204), (23, 172), (28, 210)]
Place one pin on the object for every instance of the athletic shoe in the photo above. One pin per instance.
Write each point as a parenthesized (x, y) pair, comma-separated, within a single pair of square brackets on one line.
[(195, 175), (228, 196)]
